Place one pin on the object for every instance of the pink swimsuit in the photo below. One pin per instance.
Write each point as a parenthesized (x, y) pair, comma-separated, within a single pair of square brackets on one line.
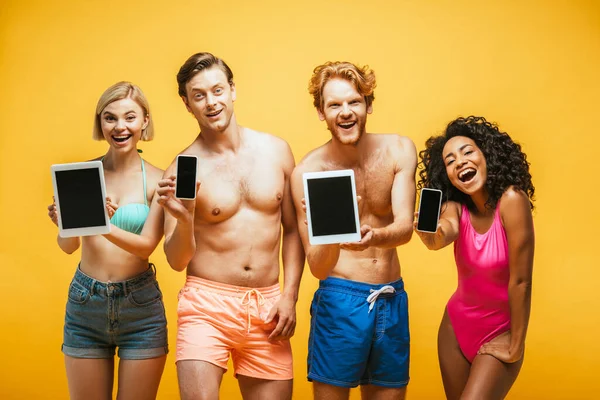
[(479, 309)]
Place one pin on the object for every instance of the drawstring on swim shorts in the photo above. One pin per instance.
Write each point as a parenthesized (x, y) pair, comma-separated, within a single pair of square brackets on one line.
[(375, 294), (260, 300)]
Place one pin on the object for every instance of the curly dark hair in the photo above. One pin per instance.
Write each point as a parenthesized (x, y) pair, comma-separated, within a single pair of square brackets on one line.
[(506, 164)]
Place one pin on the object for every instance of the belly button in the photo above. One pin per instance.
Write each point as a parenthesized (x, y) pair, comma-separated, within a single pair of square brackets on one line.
[(246, 268), (374, 261), (216, 211)]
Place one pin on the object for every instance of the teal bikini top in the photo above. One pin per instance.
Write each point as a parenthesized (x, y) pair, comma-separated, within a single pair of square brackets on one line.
[(132, 217)]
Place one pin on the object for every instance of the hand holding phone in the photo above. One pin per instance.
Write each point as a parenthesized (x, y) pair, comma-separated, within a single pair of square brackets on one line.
[(185, 182), (430, 203)]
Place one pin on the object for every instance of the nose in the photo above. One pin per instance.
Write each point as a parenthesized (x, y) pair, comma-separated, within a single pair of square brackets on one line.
[(120, 124), (210, 100), (460, 161), (345, 110)]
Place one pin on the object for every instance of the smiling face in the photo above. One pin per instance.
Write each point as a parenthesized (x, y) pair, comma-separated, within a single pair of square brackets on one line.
[(210, 98), (122, 122), (465, 165), (344, 110)]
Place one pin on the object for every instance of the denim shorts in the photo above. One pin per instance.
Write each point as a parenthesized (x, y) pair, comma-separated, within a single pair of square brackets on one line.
[(359, 334), (102, 316)]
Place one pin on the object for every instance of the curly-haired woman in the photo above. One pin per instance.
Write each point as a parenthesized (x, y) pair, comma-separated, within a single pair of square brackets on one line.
[(488, 194)]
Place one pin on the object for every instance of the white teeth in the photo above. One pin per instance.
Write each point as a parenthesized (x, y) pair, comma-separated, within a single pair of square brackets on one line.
[(464, 172)]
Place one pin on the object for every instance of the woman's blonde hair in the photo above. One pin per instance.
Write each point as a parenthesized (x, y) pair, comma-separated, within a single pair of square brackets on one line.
[(119, 91)]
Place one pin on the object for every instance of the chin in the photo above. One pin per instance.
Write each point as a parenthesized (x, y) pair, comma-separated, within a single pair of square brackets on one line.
[(348, 139)]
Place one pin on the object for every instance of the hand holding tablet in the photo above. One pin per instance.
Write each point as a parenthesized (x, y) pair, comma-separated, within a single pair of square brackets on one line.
[(79, 194), (331, 207)]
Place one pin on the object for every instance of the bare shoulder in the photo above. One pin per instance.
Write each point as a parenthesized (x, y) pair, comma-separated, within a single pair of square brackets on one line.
[(398, 143), (271, 146), (266, 140), (515, 209), (153, 173), (313, 160), (513, 198)]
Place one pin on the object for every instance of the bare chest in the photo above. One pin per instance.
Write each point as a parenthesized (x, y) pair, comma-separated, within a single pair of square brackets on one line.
[(227, 186)]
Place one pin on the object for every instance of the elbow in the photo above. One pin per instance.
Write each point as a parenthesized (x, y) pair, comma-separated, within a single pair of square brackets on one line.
[(522, 285), (176, 265), (319, 274)]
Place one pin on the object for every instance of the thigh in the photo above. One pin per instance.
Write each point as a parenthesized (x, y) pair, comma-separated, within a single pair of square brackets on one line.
[(142, 324), (453, 364), (490, 378), (262, 389), (132, 372), (339, 320), (199, 380), (371, 392), (389, 360), (323, 391), (90, 378)]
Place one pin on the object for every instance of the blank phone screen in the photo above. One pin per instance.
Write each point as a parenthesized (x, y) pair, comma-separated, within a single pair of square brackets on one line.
[(429, 210), (331, 206), (186, 177), (80, 198)]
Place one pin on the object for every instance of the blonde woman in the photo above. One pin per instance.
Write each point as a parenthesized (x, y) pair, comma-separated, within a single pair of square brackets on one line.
[(114, 300)]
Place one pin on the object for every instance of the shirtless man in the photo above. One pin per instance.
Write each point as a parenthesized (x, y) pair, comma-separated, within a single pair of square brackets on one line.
[(360, 306), (229, 239)]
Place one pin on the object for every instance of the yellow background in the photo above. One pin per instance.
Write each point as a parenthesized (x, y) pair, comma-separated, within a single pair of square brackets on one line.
[(531, 66)]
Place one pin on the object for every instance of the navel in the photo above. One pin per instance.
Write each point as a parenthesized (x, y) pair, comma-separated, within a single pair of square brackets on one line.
[(374, 261), (246, 268)]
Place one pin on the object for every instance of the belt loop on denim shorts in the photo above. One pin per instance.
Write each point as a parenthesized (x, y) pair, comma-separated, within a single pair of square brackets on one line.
[(124, 285), (92, 287), (153, 268)]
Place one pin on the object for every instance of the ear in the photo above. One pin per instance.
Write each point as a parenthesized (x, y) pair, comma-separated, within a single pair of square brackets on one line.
[(370, 109), (146, 121), (321, 115), (185, 101), (233, 93)]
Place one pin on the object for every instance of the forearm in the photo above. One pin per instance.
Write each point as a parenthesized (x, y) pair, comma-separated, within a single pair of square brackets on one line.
[(180, 245), (445, 236), (293, 264), (68, 245), (138, 245), (519, 297), (322, 259), (393, 235)]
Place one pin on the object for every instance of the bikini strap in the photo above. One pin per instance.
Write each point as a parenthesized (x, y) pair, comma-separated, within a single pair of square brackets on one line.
[(144, 180)]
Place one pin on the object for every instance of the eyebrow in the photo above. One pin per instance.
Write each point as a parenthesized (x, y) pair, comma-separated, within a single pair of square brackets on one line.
[(197, 89), (460, 149), (108, 112)]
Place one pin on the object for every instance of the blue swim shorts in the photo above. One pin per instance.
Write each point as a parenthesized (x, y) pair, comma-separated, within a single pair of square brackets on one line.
[(359, 334)]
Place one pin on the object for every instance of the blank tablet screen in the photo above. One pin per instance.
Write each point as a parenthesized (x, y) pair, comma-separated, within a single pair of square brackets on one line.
[(80, 198), (331, 206)]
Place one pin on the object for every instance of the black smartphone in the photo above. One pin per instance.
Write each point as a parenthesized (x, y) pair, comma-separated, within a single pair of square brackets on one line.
[(185, 184), (429, 210)]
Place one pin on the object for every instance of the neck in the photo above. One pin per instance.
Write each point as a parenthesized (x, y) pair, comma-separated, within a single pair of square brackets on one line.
[(121, 161), (221, 141), (347, 154), (479, 199)]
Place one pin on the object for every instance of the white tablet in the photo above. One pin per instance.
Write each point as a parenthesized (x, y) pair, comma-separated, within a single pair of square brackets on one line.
[(331, 207), (80, 196)]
